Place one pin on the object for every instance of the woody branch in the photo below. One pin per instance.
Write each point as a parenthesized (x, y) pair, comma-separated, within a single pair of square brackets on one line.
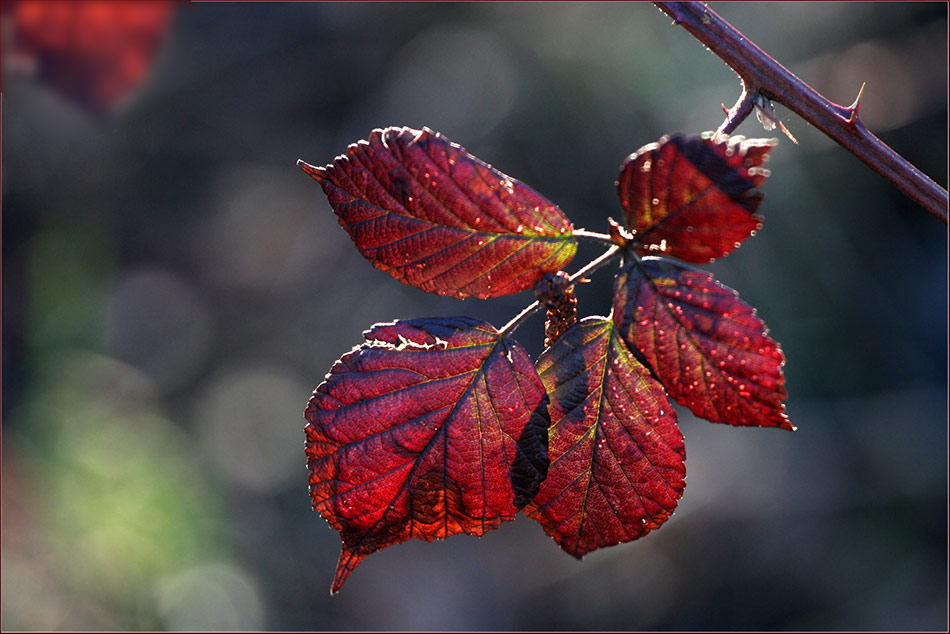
[(763, 78)]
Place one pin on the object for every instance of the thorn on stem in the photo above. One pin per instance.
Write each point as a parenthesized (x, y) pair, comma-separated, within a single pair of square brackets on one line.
[(787, 133), (724, 108), (855, 108), (765, 113)]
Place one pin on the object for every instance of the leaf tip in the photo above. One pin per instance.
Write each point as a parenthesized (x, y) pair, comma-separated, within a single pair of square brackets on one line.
[(349, 560), (316, 172)]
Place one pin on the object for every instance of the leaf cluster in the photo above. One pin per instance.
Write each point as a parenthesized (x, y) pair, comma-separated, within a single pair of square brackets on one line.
[(434, 427)]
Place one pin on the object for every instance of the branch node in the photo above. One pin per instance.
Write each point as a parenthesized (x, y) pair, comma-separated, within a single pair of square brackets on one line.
[(619, 234), (855, 108), (738, 113)]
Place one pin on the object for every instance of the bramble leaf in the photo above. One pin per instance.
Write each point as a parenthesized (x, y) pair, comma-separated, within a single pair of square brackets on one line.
[(617, 456), (707, 347), (437, 218), (693, 198), (430, 428)]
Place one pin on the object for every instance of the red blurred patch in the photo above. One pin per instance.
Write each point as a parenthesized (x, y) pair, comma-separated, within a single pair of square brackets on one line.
[(94, 52)]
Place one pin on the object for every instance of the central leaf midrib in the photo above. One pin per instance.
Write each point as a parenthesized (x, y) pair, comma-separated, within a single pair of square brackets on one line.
[(441, 432)]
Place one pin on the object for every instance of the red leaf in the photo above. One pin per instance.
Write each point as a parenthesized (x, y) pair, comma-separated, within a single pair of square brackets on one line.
[(435, 217), (693, 198), (707, 347), (617, 457), (432, 427), (94, 52)]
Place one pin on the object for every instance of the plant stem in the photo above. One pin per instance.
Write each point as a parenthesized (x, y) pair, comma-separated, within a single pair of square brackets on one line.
[(762, 75), (590, 267), (738, 113), (592, 236)]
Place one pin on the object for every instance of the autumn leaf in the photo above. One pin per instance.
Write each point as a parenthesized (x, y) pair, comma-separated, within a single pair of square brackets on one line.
[(708, 347), (617, 457), (437, 218), (693, 198), (430, 428), (94, 52)]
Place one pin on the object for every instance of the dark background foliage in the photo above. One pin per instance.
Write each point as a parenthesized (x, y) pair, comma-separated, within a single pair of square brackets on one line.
[(174, 288)]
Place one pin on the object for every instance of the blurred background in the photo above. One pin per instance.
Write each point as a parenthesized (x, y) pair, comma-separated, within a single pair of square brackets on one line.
[(174, 288)]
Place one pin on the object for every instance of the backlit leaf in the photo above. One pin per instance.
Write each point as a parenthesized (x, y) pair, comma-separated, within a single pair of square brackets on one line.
[(708, 348), (693, 198), (617, 457), (435, 217), (430, 428)]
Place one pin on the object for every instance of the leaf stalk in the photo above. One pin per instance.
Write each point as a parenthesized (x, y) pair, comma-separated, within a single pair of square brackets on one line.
[(592, 236), (590, 267)]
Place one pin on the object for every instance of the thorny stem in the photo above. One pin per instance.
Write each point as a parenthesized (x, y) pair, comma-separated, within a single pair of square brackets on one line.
[(762, 75), (591, 266)]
